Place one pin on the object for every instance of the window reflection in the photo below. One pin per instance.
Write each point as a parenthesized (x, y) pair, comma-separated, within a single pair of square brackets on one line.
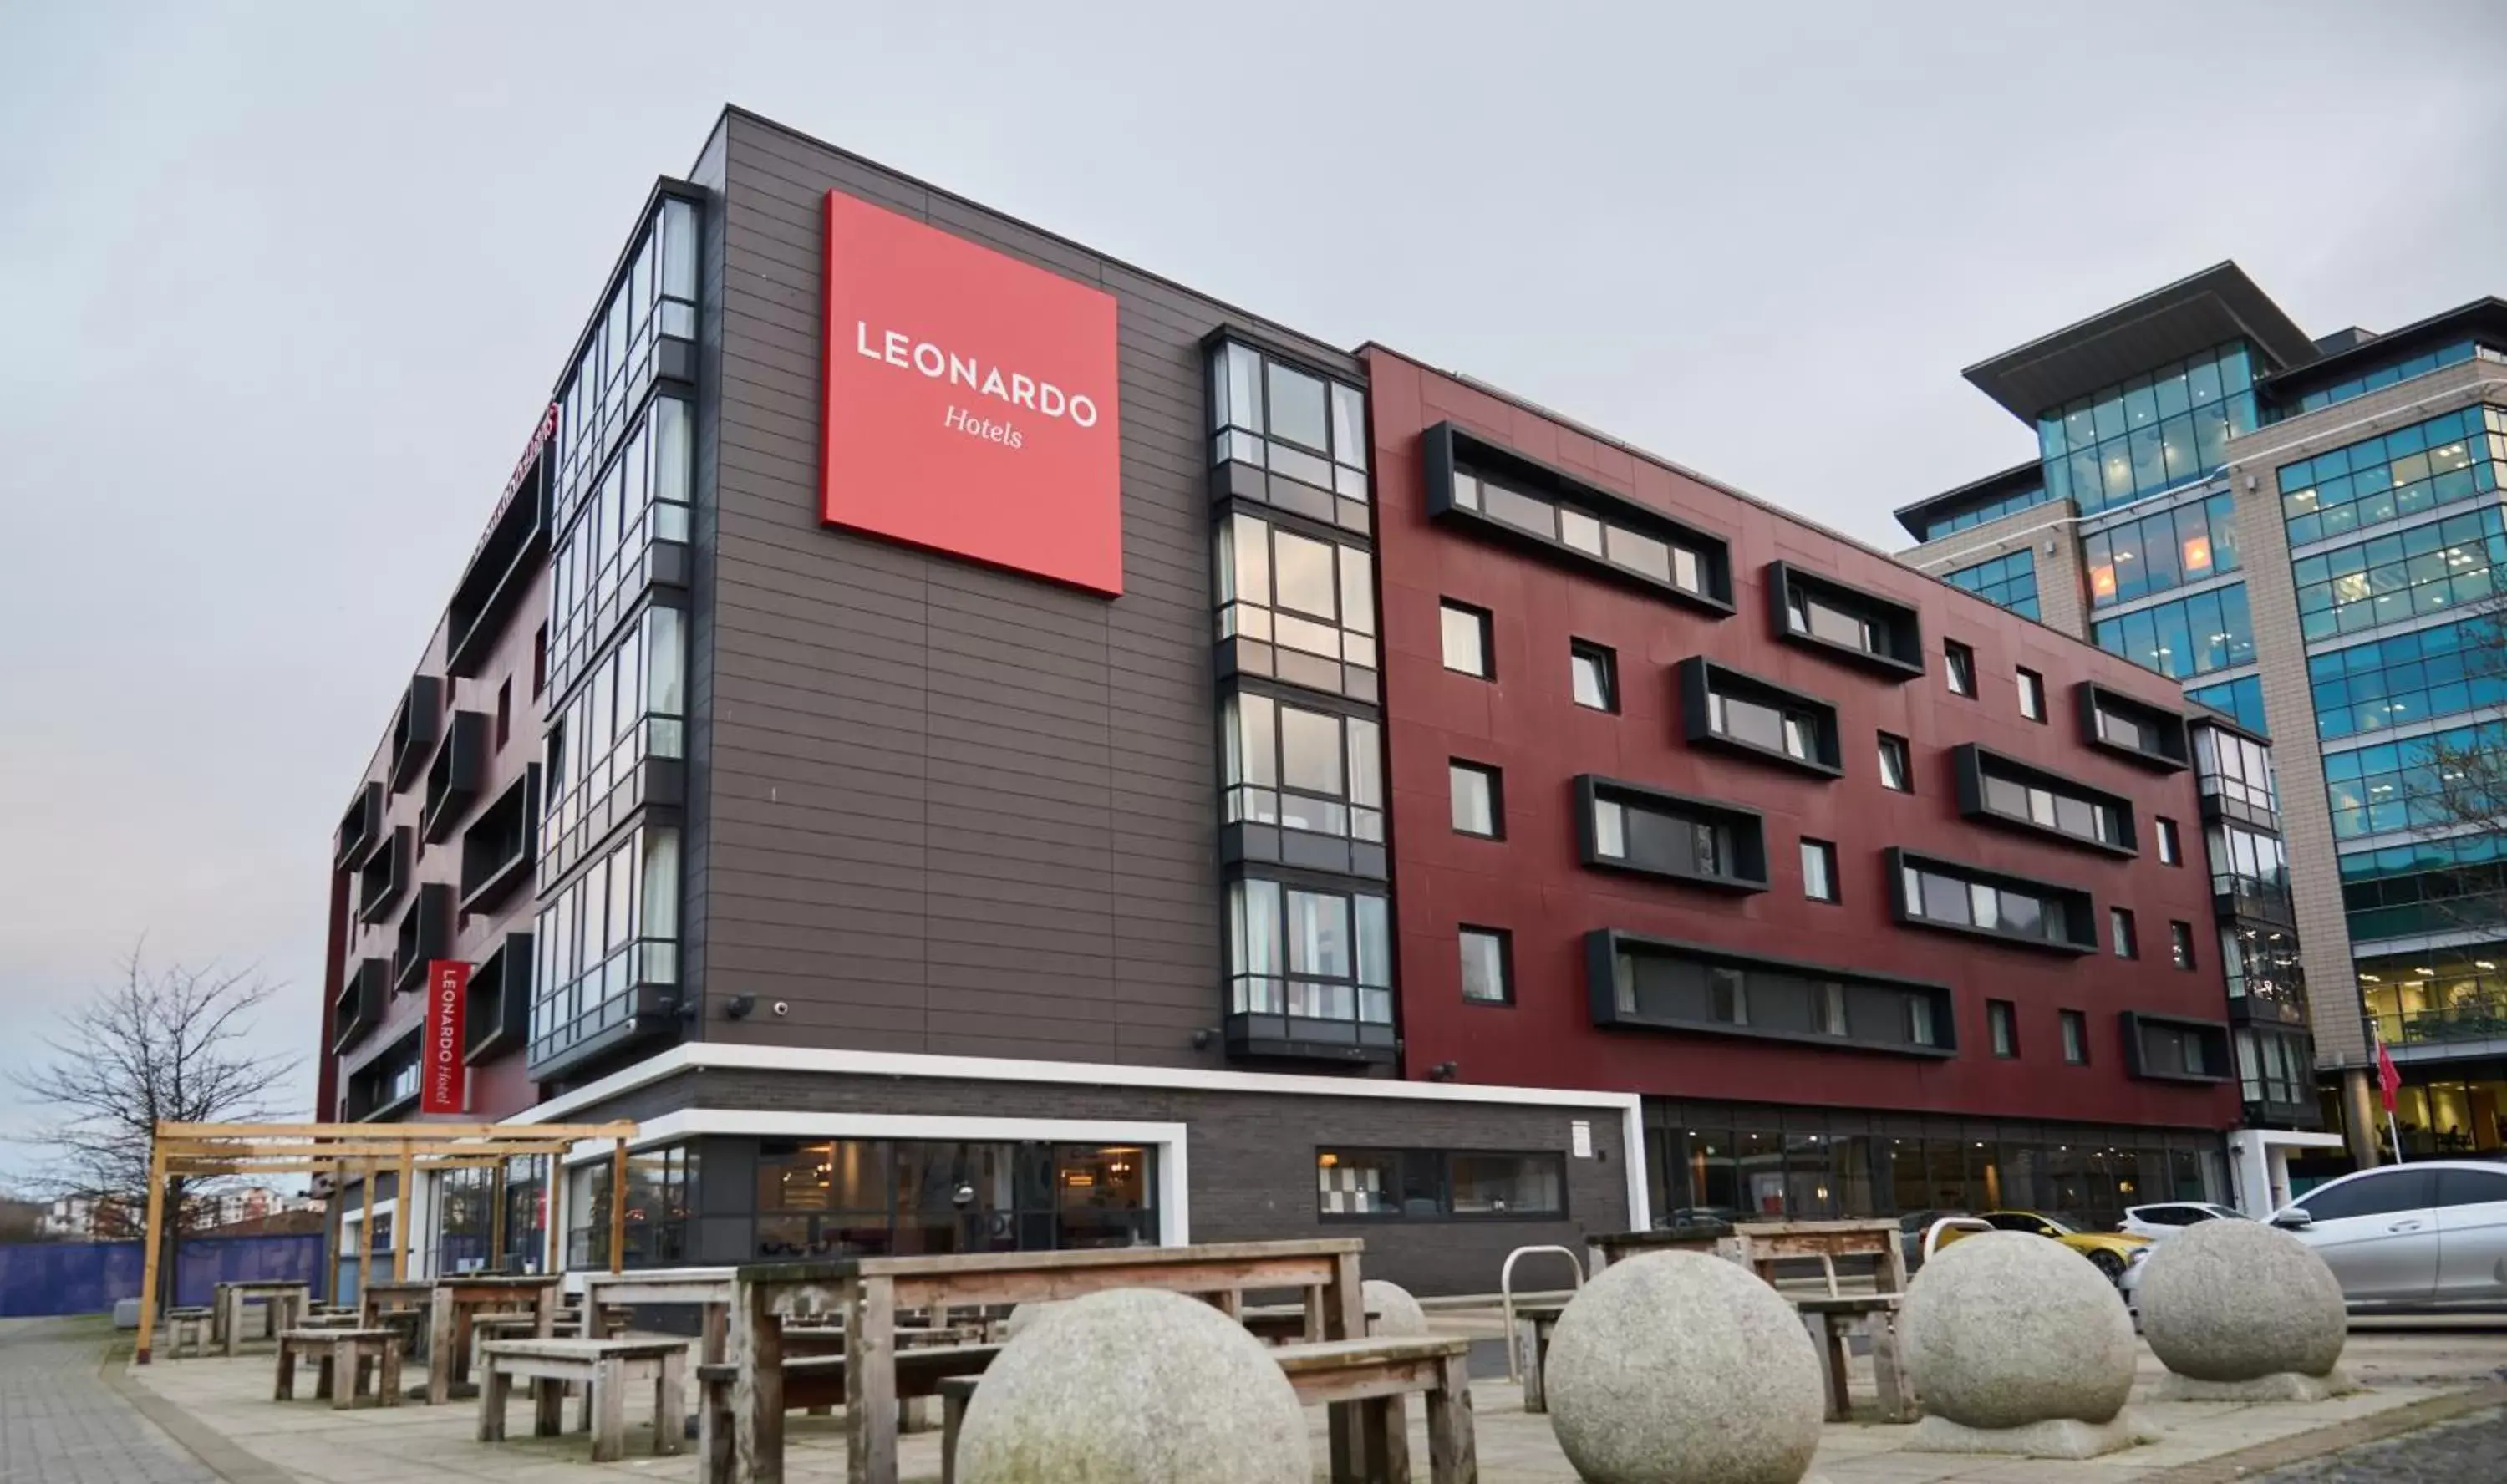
[(845, 1198)]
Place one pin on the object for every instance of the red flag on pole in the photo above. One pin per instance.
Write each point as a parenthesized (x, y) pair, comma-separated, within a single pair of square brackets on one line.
[(2389, 1081)]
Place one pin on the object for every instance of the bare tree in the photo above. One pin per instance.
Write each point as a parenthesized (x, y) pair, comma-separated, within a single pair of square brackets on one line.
[(169, 1045)]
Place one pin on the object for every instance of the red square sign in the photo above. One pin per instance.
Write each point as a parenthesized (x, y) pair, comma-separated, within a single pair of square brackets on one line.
[(970, 402)]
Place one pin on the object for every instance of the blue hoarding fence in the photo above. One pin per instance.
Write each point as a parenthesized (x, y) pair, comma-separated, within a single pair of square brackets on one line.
[(47, 1278)]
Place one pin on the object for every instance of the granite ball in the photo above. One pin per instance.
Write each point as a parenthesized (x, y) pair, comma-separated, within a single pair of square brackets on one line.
[(1026, 1317), (1392, 1312), (1682, 1368), (2230, 1300), (2003, 1329), (1134, 1386)]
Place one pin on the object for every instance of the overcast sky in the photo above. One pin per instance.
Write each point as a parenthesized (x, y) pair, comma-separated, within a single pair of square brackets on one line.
[(282, 289)]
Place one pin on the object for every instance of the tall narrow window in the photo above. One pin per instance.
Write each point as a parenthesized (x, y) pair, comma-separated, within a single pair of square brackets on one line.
[(2170, 851), (1467, 640), (2076, 1037), (2032, 695), (2180, 944), (539, 662), (504, 712), (1595, 670), (1477, 801), (1894, 772), (2120, 932), (1728, 995), (1958, 668), (1819, 870), (1488, 967), (2001, 1023)]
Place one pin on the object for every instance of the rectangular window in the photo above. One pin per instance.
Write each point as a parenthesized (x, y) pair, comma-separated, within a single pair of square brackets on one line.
[(2180, 944), (1595, 673), (1728, 995), (1310, 434), (2171, 851), (1819, 871), (2119, 933), (1314, 955), (1831, 1009), (1302, 770), (1488, 965), (1958, 668), (1467, 640), (2032, 695), (2076, 1037), (1438, 1184), (1656, 832), (1297, 608), (504, 712), (2007, 582), (2002, 1027), (1933, 892), (539, 662), (2186, 638), (1920, 1026), (1726, 708), (1479, 802), (2006, 789), (1895, 770)]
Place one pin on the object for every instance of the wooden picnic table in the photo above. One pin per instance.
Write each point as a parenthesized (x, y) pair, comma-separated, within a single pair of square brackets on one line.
[(1759, 1245), (284, 1301), (869, 1292), (451, 1305), (708, 1289), (601, 1367), (1828, 1321)]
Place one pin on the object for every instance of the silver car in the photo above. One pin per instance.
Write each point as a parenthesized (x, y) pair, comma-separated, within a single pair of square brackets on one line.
[(2434, 1232)]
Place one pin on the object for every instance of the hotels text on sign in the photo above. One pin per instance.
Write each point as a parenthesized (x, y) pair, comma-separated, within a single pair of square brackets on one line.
[(444, 1078)]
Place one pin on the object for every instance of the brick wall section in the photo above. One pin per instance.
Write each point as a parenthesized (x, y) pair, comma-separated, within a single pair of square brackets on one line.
[(2306, 819), (1251, 1154)]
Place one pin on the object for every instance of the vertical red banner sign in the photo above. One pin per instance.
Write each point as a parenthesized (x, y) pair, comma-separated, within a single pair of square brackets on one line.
[(444, 1078)]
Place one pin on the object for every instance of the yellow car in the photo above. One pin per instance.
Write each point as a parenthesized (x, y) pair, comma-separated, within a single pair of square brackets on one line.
[(2112, 1251)]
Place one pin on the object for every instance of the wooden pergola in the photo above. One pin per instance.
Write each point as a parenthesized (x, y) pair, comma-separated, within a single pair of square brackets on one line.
[(209, 1150)]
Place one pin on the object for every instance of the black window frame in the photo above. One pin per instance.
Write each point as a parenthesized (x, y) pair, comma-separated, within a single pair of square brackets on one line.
[(1611, 1009), (1451, 456), (1487, 623), (2080, 937), (1494, 778), (1504, 938), (2170, 841), (2075, 1030), (1702, 681), (2002, 1030), (2213, 1034), (2180, 945), (1826, 850), (1974, 766), (1889, 746), (1743, 834), (2124, 932), (1899, 624), (2033, 701), (1958, 669), (1443, 1183), (416, 724), (2173, 751), (1605, 665)]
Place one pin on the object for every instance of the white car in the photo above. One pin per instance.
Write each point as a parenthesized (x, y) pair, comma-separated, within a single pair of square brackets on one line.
[(2166, 1218), (2429, 1232)]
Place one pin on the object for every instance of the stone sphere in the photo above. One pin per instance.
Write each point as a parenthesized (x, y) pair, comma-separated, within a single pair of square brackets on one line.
[(1682, 1368), (1393, 1314), (2238, 1301), (1134, 1386), (2002, 1329)]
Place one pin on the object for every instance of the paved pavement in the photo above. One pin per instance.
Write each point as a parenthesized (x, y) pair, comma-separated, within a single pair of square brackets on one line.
[(2469, 1451), (61, 1422)]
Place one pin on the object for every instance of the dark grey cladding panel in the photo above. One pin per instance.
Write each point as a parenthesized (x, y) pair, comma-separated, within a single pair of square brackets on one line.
[(945, 808)]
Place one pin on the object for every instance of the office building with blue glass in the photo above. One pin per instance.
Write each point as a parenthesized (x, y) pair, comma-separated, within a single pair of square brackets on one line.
[(2307, 533)]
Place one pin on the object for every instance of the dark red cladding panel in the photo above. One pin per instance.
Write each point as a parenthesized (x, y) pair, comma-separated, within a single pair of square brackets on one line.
[(1531, 882)]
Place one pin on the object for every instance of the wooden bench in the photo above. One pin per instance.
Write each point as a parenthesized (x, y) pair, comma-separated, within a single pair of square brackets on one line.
[(284, 1304), (1828, 1321), (872, 1291), (1376, 1375), (346, 1358), (816, 1382), (1534, 1325), (600, 1367), (197, 1325)]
